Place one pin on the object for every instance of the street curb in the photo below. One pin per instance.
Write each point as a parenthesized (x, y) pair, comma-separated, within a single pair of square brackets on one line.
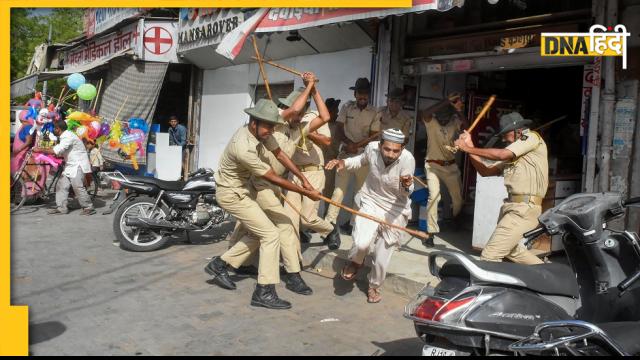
[(320, 260)]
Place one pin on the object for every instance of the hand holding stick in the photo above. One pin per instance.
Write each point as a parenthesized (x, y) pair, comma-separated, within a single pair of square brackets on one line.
[(481, 115)]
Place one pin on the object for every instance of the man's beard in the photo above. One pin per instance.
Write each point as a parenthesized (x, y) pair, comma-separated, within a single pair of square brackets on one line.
[(388, 161)]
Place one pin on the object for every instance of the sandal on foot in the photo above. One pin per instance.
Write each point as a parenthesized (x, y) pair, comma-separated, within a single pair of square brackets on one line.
[(373, 295), (353, 267)]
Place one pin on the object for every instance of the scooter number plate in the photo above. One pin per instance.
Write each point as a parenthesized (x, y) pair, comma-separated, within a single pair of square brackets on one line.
[(436, 351)]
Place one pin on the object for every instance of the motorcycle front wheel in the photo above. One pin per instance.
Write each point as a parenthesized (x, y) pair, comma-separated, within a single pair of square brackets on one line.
[(133, 238)]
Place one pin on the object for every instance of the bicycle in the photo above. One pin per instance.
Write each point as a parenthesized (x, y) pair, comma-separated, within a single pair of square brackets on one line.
[(19, 193)]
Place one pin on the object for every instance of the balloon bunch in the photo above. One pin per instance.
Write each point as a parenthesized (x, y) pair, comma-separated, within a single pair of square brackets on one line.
[(77, 82), (129, 139), (85, 125)]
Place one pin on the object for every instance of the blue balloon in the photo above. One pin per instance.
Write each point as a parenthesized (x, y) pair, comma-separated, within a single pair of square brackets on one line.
[(75, 80)]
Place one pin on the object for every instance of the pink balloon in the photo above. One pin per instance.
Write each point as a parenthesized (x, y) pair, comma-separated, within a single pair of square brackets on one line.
[(96, 125)]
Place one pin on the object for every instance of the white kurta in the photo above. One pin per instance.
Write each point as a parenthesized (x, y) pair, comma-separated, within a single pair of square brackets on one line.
[(75, 154), (382, 196)]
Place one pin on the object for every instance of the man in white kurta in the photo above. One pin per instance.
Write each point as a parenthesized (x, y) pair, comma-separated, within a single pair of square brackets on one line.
[(385, 195), (76, 166)]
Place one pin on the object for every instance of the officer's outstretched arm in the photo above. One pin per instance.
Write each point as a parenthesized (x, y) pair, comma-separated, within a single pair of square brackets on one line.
[(289, 165), (286, 184)]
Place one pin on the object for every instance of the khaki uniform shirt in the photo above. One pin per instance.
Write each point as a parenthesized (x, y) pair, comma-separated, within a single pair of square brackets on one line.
[(287, 138), (307, 152), (240, 160), (438, 137), (382, 186), (357, 123), (332, 151), (385, 121), (528, 174)]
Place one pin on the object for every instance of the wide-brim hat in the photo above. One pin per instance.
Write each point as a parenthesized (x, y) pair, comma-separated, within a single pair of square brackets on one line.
[(396, 93), (512, 121), (362, 84), (291, 98), (265, 110), (331, 102)]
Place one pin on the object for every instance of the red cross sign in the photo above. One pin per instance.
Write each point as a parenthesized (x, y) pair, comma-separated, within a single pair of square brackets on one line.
[(157, 40)]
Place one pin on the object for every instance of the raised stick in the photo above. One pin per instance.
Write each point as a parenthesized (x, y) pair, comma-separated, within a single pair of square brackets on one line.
[(484, 110), (282, 67), (122, 106), (261, 65)]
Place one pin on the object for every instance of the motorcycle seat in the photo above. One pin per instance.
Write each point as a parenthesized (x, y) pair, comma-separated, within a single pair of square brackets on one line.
[(625, 334), (162, 184), (548, 279)]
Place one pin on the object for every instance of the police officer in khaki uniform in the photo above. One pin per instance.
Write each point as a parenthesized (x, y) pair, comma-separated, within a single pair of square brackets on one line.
[(268, 195), (331, 151), (442, 122), (309, 158), (392, 116), (526, 176), (239, 161), (355, 127)]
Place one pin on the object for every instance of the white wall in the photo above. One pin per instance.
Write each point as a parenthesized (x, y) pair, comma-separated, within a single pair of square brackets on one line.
[(227, 92)]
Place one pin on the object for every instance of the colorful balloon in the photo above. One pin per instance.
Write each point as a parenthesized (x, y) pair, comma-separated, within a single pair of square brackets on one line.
[(87, 91), (96, 125), (105, 129), (75, 80), (81, 131)]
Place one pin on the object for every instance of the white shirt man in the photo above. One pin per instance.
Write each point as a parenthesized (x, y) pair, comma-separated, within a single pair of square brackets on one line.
[(385, 195), (76, 165)]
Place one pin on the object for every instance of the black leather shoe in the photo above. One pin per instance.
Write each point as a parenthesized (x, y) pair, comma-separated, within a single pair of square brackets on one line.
[(305, 237), (265, 295), (428, 242), (333, 239), (346, 228), (246, 270), (218, 268), (295, 283)]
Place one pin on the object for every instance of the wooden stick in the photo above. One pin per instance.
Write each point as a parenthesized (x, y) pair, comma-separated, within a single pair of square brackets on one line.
[(282, 67), (60, 96), (479, 117), (418, 234), (97, 96), (420, 182), (550, 122), (122, 106), (484, 110), (261, 65), (293, 207)]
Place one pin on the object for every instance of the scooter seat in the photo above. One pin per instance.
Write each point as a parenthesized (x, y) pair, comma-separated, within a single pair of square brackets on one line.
[(625, 334), (162, 184), (548, 279)]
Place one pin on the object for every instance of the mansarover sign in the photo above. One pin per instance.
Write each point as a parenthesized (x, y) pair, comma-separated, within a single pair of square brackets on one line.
[(202, 27)]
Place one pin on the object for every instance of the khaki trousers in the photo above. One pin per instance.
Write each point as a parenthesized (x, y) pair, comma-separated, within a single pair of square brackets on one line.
[(308, 208), (341, 185), (269, 201), (247, 210), (382, 241), (515, 219), (450, 176)]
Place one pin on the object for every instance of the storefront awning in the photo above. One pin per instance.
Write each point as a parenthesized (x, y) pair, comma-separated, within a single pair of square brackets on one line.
[(85, 68), (23, 86), (287, 19)]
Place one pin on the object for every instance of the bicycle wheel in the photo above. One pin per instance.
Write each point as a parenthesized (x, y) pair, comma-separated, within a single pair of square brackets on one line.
[(17, 195)]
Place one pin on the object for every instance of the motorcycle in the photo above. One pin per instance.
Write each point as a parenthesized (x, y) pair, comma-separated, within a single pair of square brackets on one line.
[(481, 308), (154, 209)]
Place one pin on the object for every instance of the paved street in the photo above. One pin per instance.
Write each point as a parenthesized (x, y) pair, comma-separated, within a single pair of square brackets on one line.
[(89, 297)]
